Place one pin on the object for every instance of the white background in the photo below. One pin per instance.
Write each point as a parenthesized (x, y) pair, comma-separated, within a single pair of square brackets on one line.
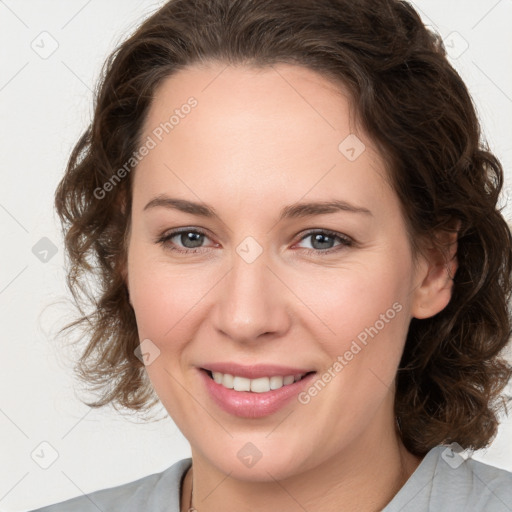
[(45, 105)]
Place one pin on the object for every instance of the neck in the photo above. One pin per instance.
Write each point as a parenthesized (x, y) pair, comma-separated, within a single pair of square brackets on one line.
[(363, 480)]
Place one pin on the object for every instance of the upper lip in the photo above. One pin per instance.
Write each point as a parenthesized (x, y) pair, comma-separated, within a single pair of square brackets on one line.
[(255, 371)]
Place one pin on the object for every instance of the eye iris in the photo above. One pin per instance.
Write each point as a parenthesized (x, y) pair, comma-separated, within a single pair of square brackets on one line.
[(319, 237), (194, 238)]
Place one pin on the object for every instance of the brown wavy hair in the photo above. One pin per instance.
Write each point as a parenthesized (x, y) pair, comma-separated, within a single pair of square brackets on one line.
[(414, 106)]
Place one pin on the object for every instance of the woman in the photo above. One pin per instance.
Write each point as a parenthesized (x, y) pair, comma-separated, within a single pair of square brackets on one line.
[(294, 222)]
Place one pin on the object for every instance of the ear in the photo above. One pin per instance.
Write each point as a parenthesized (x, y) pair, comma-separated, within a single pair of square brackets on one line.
[(435, 272)]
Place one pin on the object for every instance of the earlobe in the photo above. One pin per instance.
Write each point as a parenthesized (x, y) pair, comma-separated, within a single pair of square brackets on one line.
[(435, 276)]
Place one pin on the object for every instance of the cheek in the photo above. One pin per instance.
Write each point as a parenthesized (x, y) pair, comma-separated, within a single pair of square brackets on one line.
[(367, 309), (363, 303), (163, 298), (163, 295)]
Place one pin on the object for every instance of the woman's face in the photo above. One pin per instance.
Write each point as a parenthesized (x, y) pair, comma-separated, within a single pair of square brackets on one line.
[(259, 279)]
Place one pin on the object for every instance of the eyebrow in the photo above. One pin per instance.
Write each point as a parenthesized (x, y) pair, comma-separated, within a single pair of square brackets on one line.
[(297, 210)]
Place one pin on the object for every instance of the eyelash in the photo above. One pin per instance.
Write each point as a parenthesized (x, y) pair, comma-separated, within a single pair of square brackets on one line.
[(345, 241)]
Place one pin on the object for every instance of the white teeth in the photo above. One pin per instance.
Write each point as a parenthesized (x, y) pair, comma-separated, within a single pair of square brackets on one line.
[(276, 382), (227, 380), (260, 385), (289, 379), (241, 384)]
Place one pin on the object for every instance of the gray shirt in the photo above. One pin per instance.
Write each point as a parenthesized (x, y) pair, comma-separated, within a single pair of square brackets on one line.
[(443, 481)]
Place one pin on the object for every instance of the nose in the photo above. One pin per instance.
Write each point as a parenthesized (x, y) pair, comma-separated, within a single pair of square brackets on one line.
[(252, 302)]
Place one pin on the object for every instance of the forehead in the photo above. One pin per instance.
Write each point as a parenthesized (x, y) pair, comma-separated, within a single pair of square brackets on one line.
[(253, 103), (255, 130)]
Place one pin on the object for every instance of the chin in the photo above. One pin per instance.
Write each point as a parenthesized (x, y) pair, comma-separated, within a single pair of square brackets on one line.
[(251, 462)]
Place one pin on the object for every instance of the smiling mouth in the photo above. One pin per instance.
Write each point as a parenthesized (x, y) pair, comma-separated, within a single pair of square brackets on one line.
[(258, 385)]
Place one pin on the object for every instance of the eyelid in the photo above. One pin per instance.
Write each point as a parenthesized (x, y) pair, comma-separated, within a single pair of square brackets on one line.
[(167, 235), (325, 231), (345, 240)]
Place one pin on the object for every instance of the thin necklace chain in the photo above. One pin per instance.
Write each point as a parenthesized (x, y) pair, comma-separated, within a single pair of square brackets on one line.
[(190, 507)]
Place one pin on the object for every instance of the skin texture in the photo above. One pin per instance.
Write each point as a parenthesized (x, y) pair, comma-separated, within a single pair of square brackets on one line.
[(257, 141)]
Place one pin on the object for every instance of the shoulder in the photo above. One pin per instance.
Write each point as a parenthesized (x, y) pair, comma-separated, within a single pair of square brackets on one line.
[(482, 486), (446, 481), (147, 493)]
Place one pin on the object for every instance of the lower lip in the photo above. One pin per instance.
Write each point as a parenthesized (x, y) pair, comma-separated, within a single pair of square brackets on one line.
[(246, 404)]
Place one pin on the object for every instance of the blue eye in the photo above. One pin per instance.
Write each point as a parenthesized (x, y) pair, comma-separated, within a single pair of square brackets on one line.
[(189, 241), (323, 240)]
